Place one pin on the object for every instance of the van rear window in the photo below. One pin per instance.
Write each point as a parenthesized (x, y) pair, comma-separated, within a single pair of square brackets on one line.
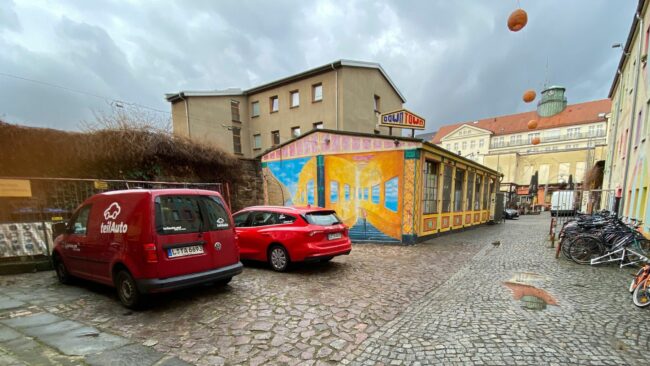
[(218, 218), (178, 214), (322, 218)]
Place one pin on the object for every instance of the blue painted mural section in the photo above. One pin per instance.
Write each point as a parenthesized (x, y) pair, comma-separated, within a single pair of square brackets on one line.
[(390, 194), (364, 231), (287, 172)]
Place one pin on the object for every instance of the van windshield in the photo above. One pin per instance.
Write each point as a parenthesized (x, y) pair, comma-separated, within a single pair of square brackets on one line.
[(322, 218)]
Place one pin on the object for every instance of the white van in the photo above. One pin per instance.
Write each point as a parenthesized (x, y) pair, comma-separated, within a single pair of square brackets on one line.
[(563, 203)]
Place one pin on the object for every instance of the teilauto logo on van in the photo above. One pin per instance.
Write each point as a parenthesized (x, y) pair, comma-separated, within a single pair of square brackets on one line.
[(111, 213)]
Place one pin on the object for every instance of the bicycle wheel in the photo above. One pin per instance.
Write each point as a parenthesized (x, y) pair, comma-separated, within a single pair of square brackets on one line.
[(641, 295), (644, 246), (584, 248)]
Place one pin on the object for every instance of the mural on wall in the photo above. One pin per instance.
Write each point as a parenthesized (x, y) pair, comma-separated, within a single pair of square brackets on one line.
[(296, 178), (372, 209), (364, 189)]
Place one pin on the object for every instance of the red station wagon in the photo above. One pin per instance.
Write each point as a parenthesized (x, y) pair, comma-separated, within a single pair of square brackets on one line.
[(281, 235), (146, 241)]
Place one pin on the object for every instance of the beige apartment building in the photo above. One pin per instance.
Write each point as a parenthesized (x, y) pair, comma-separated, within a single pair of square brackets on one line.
[(344, 95), (572, 140), (627, 170)]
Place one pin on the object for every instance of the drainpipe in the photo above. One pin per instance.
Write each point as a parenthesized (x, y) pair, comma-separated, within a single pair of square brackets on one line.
[(187, 115), (336, 76), (633, 114)]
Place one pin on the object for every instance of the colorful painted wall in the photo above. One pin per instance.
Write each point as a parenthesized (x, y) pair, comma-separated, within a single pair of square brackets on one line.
[(377, 185), (364, 189)]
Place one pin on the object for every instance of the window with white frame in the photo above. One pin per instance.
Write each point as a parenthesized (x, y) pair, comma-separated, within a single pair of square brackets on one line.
[(295, 99), (257, 141), (317, 92), (274, 103)]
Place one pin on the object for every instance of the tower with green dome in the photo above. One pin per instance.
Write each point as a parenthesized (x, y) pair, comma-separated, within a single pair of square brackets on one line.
[(553, 101)]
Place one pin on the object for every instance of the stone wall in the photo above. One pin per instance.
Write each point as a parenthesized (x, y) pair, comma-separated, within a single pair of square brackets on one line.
[(249, 189)]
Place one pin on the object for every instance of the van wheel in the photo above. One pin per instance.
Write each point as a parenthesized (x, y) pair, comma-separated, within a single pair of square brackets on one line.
[(61, 271), (278, 258), (128, 291)]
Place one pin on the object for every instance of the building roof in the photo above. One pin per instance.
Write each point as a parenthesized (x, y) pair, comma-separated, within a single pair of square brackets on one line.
[(171, 97), (385, 137), (426, 136), (628, 46), (574, 114)]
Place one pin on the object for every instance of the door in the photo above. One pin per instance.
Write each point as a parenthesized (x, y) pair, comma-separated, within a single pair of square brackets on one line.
[(244, 234), (181, 236), (248, 238), (221, 232), (75, 246)]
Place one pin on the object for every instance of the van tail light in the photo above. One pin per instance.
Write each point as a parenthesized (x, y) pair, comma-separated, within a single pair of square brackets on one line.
[(150, 253)]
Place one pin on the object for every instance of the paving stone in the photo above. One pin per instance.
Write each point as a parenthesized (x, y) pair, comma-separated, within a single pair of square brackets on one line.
[(7, 303), (83, 341), (53, 328), (7, 334), (128, 355), (31, 320)]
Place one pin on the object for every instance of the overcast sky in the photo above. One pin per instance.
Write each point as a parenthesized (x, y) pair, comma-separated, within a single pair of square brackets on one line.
[(454, 61)]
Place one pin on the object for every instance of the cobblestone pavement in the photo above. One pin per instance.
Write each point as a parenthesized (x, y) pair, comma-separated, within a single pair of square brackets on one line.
[(440, 302), (474, 319), (315, 314)]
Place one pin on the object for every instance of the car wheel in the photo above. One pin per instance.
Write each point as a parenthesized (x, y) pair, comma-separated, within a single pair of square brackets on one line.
[(127, 290), (61, 271), (278, 258)]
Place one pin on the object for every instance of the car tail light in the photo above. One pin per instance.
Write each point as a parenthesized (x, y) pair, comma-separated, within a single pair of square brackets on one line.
[(150, 254), (315, 232)]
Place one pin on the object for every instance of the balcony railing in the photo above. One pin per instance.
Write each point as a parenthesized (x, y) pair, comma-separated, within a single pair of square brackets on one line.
[(566, 137)]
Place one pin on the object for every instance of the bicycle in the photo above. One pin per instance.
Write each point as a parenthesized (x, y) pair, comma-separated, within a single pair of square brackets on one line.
[(640, 287)]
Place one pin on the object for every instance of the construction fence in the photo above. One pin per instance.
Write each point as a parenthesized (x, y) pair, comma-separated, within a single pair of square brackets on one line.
[(29, 207)]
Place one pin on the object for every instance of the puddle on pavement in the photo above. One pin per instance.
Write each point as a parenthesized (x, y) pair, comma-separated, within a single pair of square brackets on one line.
[(531, 297)]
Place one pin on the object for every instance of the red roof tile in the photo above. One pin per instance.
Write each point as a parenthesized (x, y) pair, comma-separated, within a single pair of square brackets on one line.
[(574, 114)]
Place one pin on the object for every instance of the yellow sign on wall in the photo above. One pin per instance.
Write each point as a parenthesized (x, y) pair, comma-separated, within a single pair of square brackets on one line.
[(15, 188)]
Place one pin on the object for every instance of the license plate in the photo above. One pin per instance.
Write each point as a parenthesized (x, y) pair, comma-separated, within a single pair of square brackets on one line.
[(182, 252), (334, 236)]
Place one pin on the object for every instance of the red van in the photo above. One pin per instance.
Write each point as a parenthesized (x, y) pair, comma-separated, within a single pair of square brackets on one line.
[(146, 241)]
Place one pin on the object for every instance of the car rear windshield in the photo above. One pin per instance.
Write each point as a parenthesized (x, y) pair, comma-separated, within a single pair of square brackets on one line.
[(322, 218)]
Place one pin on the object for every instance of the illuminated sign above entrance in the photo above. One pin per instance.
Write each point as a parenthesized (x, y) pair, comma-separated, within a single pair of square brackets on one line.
[(403, 119)]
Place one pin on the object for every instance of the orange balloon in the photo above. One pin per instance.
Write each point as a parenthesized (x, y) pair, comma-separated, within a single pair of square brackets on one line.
[(532, 124), (535, 141), (517, 20), (529, 95)]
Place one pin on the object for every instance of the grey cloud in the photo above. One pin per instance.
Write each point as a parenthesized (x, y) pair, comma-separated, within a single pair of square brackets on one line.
[(8, 17), (454, 61)]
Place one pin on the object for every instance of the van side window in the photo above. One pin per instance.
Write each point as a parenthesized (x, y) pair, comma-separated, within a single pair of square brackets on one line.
[(217, 214), (79, 224), (178, 214)]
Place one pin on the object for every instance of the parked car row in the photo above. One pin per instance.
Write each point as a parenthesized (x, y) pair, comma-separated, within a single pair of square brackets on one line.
[(150, 241)]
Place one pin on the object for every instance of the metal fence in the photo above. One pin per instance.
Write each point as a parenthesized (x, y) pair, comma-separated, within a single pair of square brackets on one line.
[(26, 222)]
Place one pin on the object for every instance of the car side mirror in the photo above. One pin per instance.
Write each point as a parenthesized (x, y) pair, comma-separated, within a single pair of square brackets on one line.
[(59, 228)]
